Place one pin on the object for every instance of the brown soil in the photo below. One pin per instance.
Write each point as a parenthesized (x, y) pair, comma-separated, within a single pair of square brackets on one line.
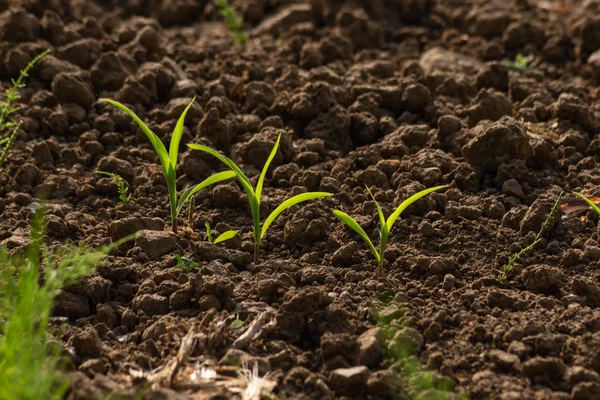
[(395, 94)]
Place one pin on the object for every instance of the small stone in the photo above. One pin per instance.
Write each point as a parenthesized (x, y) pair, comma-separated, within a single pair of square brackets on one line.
[(503, 359), (586, 288), (586, 391), (499, 142), (349, 378), (56, 227), (386, 383), (87, 343), (93, 367), (345, 255), (390, 313), (593, 252), (544, 369), (155, 330), (543, 279), (156, 244), (369, 347), (501, 298), (151, 304), (406, 339), (416, 97), (449, 282), (127, 226), (594, 62), (579, 374), (512, 187), (284, 18), (71, 87), (117, 166), (209, 301), (71, 305)]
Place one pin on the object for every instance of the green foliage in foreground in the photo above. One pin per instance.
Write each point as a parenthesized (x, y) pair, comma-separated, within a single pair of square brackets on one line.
[(510, 265), (168, 161), (29, 283), (254, 194), (222, 237), (124, 194), (233, 21), (10, 129), (414, 382), (385, 226)]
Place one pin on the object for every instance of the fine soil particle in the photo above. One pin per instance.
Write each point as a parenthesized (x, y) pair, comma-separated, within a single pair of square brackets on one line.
[(394, 95)]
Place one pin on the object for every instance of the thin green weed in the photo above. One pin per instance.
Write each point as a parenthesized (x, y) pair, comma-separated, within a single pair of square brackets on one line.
[(122, 186), (10, 129), (510, 265)]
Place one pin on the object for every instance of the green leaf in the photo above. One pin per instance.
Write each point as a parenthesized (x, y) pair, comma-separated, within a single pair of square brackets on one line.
[(379, 212), (219, 177), (208, 235), (159, 147), (229, 163), (289, 203), (589, 202), (261, 179), (225, 236), (352, 224), (408, 202), (176, 136)]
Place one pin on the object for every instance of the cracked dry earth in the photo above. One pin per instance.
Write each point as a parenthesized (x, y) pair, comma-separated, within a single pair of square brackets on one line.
[(398, 95)]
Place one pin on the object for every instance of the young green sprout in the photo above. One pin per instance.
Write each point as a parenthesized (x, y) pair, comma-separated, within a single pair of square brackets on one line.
[(588, 201), (233, 21), (385, 225), (168, 161), (254, 194), (523, 63), (124, 194), (221, 238), (186, 264)]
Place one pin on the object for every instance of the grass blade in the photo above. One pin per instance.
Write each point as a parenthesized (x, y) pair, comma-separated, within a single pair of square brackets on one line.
[(392, 219), (208, 235), (289, 203), (379, 212), (261, 179), (352, 224), (219, 177), (225, 236), (229, 163), (588, 201), (158, 145), (176, 137)]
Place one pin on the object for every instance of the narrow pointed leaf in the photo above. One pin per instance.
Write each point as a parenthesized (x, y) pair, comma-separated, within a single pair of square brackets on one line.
[(159, 147), (176, 136), (352, 224), (261, 178), (589, 202), (289, 203), (229, 163), (219, 177), (408, 202), (208, 235), (225, 236), (382, 223)]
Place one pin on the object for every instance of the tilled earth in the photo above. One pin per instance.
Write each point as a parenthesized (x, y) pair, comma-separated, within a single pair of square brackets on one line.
[(398, 95)]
